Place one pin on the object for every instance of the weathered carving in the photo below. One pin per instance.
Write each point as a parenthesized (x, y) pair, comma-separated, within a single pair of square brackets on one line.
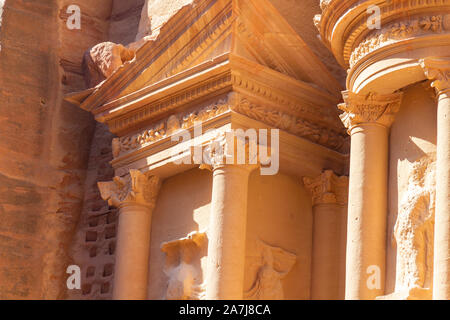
[(317, 20), (102, 60), (369, 108), (438, 70), (273, 265), (398, 31), (324, 4), (413, 231), (137, 187), (183, 267), (328, 188)]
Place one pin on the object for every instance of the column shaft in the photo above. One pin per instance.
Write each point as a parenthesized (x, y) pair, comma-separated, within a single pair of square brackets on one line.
[(366, 236), (326, 252), (227, 233), (132, 253), (441, 282)]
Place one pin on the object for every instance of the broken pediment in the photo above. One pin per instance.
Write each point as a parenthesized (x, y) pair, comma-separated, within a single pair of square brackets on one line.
[(203, 30)]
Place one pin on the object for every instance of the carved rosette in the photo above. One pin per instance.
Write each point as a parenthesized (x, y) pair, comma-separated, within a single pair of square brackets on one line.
[(135, 188), (370, 108), (438, 71), (328, 188)]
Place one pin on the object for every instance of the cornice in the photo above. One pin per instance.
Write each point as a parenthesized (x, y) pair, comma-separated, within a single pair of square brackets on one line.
[(236, 74)]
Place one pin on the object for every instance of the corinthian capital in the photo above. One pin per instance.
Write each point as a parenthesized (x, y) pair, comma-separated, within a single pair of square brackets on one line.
[(328, 188), (369, 108), (139, 188), (438, 71)]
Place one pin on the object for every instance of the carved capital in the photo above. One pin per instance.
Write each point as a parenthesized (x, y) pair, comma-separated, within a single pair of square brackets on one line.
[(328, 188), (231, 148), (369, 108), (135, 188), (438, 71)]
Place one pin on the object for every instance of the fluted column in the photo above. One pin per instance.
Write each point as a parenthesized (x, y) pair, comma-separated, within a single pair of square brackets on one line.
[(438, 70), (135, 196), (368, 119), (329, 196)]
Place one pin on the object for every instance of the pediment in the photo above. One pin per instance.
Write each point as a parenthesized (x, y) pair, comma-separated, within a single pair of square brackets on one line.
[(251, 29)]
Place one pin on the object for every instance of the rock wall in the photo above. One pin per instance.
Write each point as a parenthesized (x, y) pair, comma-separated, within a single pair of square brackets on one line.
[(93, 245), (44, 142)]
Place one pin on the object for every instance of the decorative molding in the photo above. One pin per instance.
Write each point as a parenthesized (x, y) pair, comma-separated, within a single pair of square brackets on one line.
[(438, 70), (323, 135), (369, 108), (285, 102), (167, 127), (399, 31), (135, 188), (328, 188), (151, 110), (303, 128)]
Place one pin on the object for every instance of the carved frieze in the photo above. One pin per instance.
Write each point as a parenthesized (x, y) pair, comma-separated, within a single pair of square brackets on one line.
[(399, 31), (295, 125), (369, 108), (167, 127), (328, 188), (331, 138), (135, 188)]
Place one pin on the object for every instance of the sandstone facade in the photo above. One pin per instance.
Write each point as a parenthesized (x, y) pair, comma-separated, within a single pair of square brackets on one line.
[(340, 191)]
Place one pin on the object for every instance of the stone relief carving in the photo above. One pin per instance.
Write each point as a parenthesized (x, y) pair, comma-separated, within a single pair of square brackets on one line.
[(136, 187), (414, 230), (369, 108), (273, 265), (183, 267), (167, 127), (399, 31), (294, 125)]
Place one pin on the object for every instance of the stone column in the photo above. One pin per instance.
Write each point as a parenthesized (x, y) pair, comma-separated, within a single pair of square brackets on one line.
[(135, 196), (228, 220), (438, 70), (368, 119), (329, 196)]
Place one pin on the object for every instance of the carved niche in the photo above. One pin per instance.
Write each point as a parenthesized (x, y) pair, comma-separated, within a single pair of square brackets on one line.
[(414, 232), (183, 267), (272, 265)]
